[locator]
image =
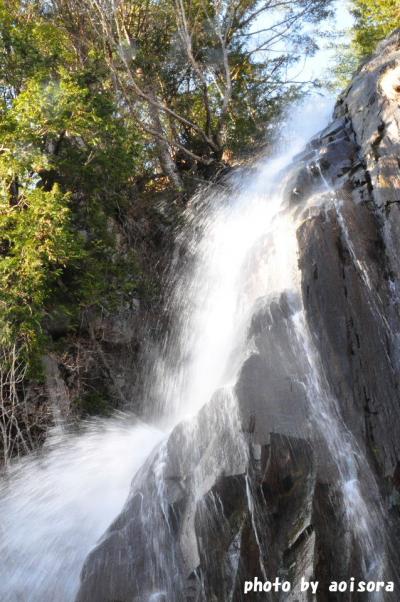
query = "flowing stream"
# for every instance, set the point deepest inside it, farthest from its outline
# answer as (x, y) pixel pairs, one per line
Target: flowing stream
(241, 245)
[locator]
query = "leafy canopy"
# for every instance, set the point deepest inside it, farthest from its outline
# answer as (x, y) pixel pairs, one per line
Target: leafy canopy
(58, 129)
(374, 21)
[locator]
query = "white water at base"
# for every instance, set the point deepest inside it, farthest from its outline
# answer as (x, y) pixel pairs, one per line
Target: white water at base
(54, 507)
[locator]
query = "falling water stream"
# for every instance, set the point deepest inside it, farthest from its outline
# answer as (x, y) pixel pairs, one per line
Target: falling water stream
(242, 245)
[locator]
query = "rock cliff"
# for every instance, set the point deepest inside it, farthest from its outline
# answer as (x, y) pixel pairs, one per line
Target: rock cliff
(223, 501)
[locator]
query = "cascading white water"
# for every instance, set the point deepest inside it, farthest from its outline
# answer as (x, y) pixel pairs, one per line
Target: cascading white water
(243, 246)
(54, 507)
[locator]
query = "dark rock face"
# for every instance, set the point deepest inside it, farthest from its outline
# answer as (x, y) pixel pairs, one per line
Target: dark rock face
(352, 304)
(223, 501)
(270, 394)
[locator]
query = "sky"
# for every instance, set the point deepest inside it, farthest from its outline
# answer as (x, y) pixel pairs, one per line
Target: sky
(316, 67)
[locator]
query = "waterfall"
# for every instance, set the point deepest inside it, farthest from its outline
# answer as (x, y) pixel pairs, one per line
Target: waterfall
(240, 243)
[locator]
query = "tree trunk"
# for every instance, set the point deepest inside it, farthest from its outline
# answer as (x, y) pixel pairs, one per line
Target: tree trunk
(167, 164)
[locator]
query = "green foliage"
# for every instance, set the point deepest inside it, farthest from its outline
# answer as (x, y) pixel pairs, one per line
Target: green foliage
(37, 244)
(201, 76)
(59, 128)
(374, 21)
(28, 43)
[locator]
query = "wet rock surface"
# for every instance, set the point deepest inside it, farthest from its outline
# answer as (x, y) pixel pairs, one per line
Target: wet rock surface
(349, 260)
(269, 390)
(253, 496)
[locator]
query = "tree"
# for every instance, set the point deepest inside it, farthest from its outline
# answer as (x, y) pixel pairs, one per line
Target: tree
(191, 71)
(374, 21)
(58, 188)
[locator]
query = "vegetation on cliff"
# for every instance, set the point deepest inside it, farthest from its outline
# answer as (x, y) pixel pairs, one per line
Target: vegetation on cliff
(373, 21)
(104, 107)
